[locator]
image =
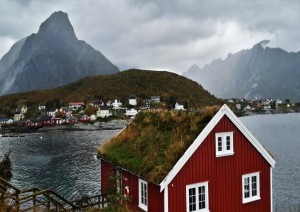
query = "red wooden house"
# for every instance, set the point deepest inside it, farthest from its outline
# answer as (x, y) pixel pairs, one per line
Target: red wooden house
(224, 169)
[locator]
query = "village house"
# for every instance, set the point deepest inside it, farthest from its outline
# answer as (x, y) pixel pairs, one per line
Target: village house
(18, 116)
(85, 119)
(103, 112)
(6, 121)
(130, 113)
(117, 104)
(46, 120)
(179, 107)
(21, 109)
(33, 122)
(132, 100)
(215, 165)
(155, 99)
(96, 103)
(76, 105)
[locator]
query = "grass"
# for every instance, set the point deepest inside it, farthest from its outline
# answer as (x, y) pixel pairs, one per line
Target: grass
(154, 141)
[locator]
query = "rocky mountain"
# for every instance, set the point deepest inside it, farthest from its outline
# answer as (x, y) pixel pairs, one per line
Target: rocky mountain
(259, 72)
(50, 58)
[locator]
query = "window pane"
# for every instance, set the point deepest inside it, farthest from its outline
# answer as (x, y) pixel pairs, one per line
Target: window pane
(192, 199)
(228, 143)
(246, 187)
(219, 143)
(201, 196)
(254, 186)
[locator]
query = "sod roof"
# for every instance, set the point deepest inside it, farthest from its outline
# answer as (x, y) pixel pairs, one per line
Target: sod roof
(155, 140)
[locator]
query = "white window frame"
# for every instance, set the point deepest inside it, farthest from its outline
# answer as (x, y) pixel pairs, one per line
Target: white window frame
(222, 138)
(247, 179)
(196, 186)
(143, 200)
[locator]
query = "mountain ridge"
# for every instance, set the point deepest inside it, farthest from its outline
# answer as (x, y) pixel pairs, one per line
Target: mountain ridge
(259, 72)
(50, 58)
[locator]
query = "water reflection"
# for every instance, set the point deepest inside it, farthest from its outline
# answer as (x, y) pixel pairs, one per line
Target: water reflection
(63, 161)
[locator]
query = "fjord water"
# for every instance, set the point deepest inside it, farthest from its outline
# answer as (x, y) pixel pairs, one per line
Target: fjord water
(280, 135)
(61, 160)
(65, 160)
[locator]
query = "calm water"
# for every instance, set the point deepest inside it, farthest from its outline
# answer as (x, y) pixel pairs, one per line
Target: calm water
(62, 160)
(280, 134)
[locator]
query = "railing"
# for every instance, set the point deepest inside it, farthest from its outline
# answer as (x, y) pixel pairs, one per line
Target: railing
(35, 199)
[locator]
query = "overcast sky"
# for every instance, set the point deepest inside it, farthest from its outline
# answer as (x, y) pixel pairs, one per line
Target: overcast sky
(161, 34)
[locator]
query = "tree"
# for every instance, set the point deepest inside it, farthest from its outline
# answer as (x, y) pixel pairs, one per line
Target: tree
(5, 167)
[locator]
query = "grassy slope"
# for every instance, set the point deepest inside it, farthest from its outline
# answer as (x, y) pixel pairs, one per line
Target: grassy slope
(154, 141)
(121, 85)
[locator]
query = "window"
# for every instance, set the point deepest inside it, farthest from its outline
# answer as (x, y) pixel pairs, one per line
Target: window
(197, 197)
(143, 195)
(250, 183)
(224, 144)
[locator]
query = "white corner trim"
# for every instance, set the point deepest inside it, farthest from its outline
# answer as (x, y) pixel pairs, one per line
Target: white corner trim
(271, 184)
(166, 200)
(225, 110)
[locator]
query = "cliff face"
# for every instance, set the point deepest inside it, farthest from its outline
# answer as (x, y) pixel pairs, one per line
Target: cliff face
(50, 58)
(259, 72)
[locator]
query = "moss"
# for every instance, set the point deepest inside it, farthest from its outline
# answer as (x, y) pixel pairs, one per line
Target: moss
(152, 144)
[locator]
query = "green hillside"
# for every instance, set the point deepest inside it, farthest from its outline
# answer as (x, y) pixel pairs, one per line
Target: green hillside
(143, 83)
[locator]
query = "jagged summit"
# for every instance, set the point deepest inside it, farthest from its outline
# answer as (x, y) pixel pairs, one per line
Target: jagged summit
(262, 44)
(50, 58)
(58, 26)
(259, 72)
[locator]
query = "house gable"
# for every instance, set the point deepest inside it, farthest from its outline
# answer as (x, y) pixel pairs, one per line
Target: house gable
(224, 111)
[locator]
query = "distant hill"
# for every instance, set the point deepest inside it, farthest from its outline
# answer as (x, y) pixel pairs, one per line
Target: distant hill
(259, 72)
(50, 58)
(143, 83)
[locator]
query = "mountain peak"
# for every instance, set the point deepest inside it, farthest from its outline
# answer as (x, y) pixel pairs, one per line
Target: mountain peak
(262, 44)
(58, 26)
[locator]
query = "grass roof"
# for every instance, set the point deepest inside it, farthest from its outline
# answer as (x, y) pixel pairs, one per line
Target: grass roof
(154, 141)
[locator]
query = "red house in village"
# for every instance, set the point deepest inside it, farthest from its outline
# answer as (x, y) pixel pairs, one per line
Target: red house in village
(225, 168)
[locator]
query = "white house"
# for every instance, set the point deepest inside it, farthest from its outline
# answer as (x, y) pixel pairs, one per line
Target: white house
(131, 112)
(103, 112)
(6, 121)
(132, 100)
(18, 116)
(117, 104)
(155, 99)
(76, 105)
(179, 107)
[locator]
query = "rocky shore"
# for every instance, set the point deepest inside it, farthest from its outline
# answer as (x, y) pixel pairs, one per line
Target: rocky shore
(110, 125)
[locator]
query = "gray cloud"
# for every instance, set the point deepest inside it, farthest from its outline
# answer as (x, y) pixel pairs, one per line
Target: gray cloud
(170, 34)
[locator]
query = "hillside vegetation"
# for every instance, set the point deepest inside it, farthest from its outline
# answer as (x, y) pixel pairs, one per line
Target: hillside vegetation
(108, 87)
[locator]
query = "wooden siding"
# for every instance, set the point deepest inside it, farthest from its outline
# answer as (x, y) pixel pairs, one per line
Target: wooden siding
(155, 198)
(224, 174)
(106, 170)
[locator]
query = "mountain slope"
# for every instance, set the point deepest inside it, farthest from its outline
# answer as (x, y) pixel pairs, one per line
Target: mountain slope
(260, 72)
(52, 57)
(143, 83)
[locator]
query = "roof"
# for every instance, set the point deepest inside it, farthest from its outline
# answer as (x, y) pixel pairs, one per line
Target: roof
(154, 141)
(156, 145)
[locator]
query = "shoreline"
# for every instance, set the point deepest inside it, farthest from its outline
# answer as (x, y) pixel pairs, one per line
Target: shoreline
(110, 125)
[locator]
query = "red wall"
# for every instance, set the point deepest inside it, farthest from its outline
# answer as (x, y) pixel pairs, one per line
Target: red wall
(155, 198)
(106, 171)
(224, 174)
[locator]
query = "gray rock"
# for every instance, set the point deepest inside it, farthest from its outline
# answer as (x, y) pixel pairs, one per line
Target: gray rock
(50, 58)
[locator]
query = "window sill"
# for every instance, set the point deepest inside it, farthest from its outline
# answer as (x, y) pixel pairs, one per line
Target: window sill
(224, 154)
(143, 207)
(251, 199)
